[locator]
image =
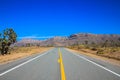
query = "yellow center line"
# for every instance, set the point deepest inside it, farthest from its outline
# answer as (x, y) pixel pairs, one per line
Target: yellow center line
(63, 77)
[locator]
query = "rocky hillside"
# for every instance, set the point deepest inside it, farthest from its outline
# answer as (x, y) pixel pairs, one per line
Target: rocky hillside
(80, 38)
(27, 42)
(56, 41)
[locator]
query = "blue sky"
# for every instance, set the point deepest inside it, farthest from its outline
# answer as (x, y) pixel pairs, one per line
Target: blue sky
(46, 18)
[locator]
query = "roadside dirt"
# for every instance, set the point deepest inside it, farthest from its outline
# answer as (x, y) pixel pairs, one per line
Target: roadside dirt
(91, 54)
(21, 52)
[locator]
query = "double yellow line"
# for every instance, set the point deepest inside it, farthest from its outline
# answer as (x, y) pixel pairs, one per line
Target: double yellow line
(63, 77)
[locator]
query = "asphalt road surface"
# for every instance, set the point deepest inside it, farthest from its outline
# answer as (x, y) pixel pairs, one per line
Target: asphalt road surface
(45, 66)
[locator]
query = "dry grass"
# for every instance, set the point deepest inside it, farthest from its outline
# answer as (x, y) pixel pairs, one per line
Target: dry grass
(92, 53)
(108, 52)
(113, 53)
(20, 52)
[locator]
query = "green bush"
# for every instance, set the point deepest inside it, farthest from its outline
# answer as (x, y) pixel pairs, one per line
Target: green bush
(7, 38)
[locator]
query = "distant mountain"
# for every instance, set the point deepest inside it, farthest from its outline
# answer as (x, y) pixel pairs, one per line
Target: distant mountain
(55, 41)
(27, 41)
(79, 38)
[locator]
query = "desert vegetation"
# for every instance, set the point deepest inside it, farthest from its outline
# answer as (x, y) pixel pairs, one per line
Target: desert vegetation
(108, 48)
(20, 52)
(9, 51)
(7, 37)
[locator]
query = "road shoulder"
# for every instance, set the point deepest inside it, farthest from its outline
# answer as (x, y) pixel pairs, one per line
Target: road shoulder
(108, 60)
(6, 66)
(22, 52)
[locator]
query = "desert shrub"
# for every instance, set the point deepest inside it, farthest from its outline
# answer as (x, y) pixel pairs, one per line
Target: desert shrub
(94, 48)
(113, 50)
(87, 47)
(100, 51)
(80, 46)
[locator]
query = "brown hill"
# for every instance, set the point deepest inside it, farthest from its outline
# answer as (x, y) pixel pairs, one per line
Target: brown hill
(80, 38)
(25, 42)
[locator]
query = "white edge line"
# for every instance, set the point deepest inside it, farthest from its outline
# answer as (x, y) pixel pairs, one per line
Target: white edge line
(3, 73)
(96, 64)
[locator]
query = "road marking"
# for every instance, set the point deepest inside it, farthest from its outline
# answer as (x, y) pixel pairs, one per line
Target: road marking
(1, 74)
(96, 64)
(63, 77)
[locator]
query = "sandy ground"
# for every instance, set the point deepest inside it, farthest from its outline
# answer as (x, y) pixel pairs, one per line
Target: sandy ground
(21, 52)
(109, 60)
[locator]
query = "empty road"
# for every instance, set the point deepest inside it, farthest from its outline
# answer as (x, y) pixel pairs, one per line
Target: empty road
(46, 66)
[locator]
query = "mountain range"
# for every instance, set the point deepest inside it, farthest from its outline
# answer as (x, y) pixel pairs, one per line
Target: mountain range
(79, 38)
